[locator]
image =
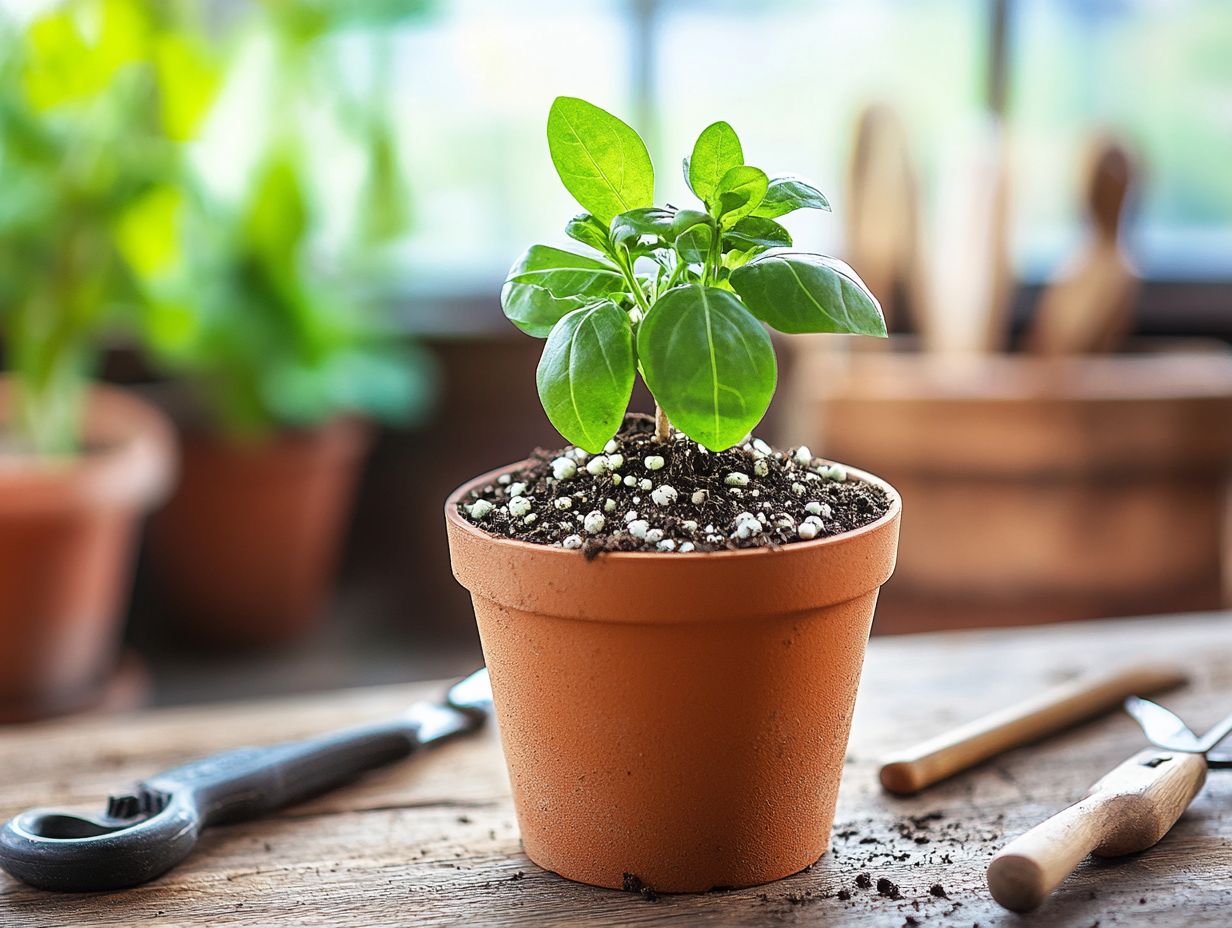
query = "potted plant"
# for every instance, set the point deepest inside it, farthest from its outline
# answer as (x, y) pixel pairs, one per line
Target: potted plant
(278, 359)
(87, 124)
(674, 614)
(276, 368)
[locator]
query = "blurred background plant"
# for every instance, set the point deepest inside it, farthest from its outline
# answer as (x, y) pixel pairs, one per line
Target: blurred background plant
(95, 101)
(142, 191)
(260, 285)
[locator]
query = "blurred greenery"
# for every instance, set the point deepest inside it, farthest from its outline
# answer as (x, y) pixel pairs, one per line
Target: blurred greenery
(85, 132)
(109, 217)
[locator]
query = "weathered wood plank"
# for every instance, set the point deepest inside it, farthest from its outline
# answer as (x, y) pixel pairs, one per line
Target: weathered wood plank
(434, 842)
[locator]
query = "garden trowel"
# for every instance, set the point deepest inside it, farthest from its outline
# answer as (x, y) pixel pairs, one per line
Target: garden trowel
(1127, 811)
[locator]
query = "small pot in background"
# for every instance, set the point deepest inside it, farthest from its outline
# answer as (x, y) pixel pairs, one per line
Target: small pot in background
(244, 552)
(678, 718)
(68, 528)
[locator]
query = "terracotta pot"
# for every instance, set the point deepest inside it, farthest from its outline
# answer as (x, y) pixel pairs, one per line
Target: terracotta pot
(1105, 479)
(67, 533)
(244, 552)
(679, 717)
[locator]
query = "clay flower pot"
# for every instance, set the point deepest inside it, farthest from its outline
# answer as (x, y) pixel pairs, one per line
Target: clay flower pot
(678, 718)
(68, 528)
(244, 551)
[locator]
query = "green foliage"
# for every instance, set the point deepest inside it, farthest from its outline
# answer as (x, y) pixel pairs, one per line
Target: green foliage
(808, 293)
(547, 283)
(94, 96)
(786, 195)
(708, 362)
(716, 151)
(106, 222)
(677, 294)
(600, 160)
(586, 374)
(234, 305)
(273, 329)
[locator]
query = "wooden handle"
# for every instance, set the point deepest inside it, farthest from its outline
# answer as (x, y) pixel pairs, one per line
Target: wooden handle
(1051, 711)
(1127, 811)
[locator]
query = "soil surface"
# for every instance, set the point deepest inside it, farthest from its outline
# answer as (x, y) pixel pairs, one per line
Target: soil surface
(640, 494)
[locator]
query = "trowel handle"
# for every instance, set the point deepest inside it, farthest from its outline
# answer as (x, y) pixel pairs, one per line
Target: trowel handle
(1129, 810)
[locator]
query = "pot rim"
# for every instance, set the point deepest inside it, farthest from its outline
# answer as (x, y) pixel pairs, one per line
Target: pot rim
(455, 518)
(129, 460)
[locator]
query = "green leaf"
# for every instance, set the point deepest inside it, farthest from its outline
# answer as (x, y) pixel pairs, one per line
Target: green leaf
(600, 159)
(585, 376)
(716, 151)
(694, 244)
(188, 77)
(788, 194)
(756, 232)
(546, 283)
(738, 193)
(709, 364)
(588, 230)
(277, 217)
(70, 60)
(646, 220)
(808, 293)
(147, 233)
(686, 219)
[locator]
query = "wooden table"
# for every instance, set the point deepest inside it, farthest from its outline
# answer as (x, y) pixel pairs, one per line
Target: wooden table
(434, 841)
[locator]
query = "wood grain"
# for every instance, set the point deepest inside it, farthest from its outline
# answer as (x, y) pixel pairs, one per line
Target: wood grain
(1077, 467)
(434, 841)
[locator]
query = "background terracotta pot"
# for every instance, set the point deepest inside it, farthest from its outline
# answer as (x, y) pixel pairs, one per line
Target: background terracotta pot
(67, 533)
(1098, 484)
(244, 552)
(679, 717)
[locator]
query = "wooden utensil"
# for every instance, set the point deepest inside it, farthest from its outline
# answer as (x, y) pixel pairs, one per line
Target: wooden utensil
(882, 221)
(1052, 711)
(1129, 810)
(970, 279)
(1089, 307)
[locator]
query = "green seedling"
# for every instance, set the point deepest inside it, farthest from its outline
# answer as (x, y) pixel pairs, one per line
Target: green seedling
(680, 296)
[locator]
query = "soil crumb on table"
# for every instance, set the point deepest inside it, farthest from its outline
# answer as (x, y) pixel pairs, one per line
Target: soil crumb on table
(640, 494)
(633, 884)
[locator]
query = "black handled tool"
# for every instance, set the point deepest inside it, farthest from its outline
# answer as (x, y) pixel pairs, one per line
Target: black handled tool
(146, 832)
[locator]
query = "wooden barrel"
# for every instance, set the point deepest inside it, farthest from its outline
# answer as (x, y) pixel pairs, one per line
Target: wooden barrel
(1036, 490)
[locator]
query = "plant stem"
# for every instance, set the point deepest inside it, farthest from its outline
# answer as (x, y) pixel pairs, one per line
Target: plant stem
(663, 428)
(714, 256)
(675, 275)
(626, 270)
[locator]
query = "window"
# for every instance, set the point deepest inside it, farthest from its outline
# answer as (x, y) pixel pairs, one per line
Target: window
(1157, 72)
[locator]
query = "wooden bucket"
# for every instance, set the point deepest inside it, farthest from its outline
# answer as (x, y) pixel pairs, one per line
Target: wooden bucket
(1036, 490)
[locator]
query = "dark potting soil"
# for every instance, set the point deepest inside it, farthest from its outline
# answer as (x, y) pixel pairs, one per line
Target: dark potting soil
(640, 494)
(633, 884)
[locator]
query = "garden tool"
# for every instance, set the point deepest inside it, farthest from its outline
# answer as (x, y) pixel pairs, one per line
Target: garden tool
(921, 765)
(1127, 811)
(145, 832)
